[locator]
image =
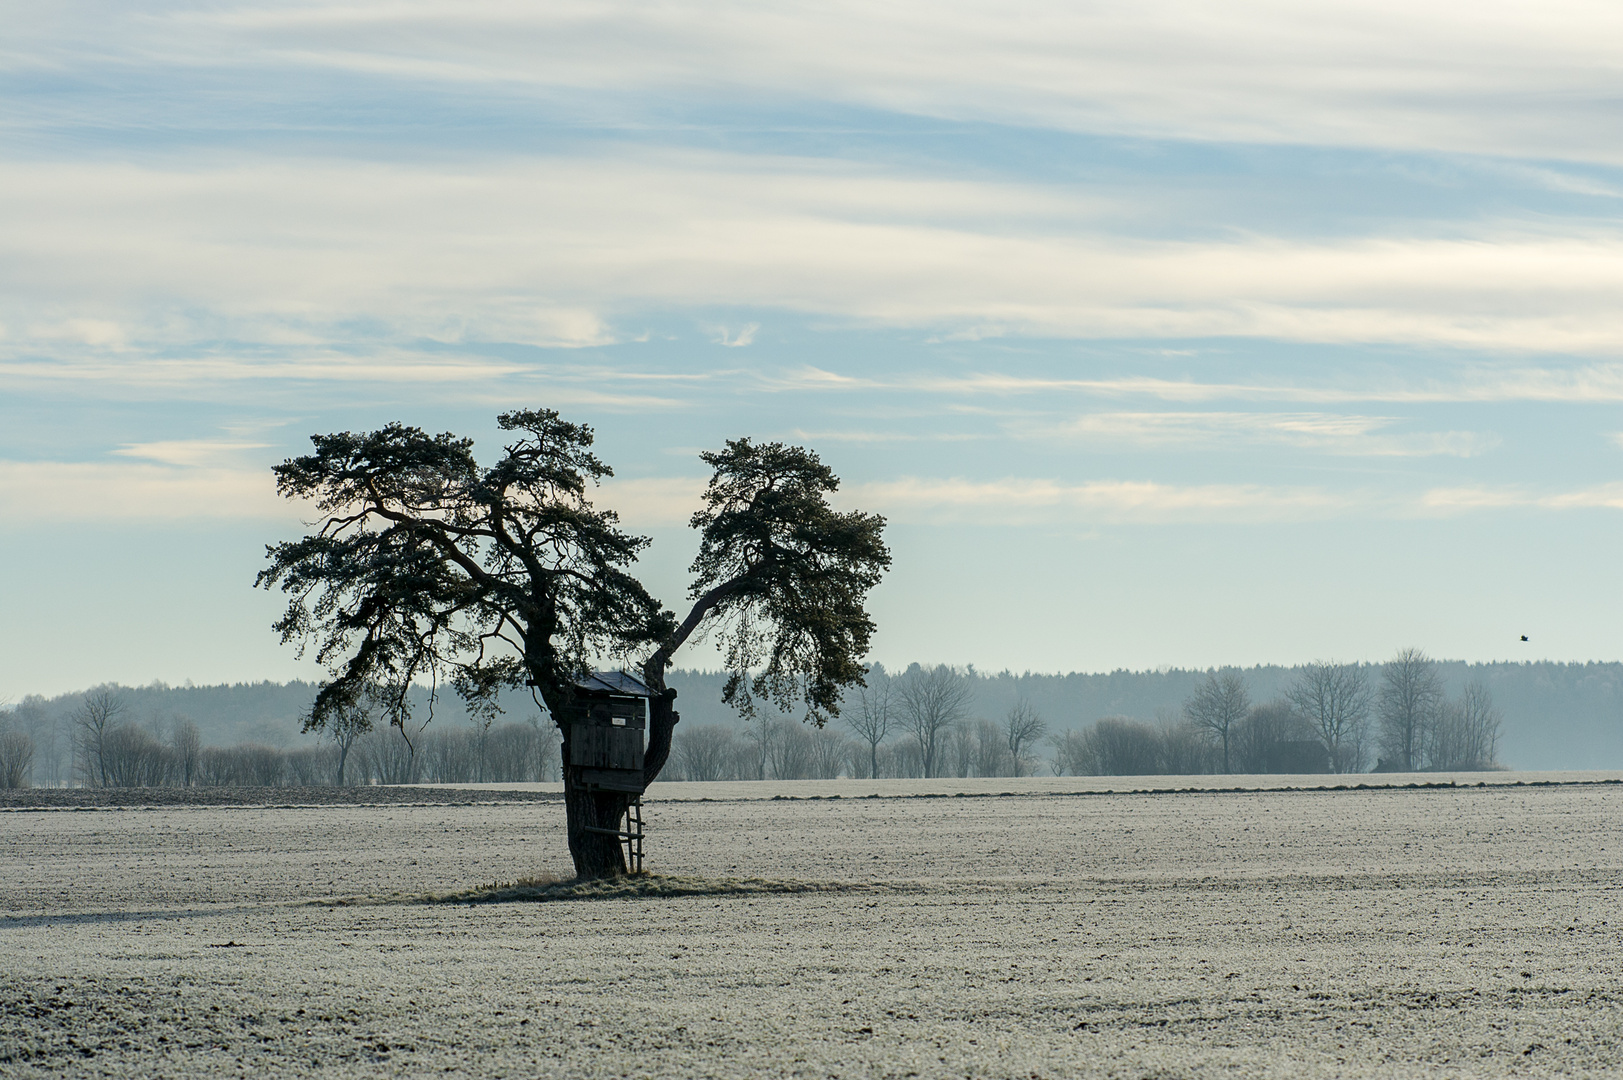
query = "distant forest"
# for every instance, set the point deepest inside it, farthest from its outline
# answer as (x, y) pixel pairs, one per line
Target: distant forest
(1554, 716)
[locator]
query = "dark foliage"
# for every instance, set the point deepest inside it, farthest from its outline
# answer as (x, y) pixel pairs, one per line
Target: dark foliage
(428, 567)
(781, 579)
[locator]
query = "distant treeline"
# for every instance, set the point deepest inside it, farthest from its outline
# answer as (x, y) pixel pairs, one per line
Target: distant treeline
(100, 743)
(1554, 716)
(922, 723)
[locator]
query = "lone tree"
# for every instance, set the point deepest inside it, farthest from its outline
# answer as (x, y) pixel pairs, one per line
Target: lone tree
(95, 720)
(1410, 697)
(933, 701)
(1023, 726)
(1217, 706)
(871, 717)
(345, 725)
(1336, 699)
(427, 567)
(186, 747)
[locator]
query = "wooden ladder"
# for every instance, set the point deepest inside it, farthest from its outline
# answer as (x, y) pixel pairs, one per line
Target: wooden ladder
(630, 836)
(633, 835)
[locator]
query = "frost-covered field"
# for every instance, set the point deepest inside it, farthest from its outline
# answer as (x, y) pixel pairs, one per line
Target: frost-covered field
(1458, 931)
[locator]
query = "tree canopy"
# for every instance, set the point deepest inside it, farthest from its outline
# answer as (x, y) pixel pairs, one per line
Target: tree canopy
(782, 578)
(429, 567)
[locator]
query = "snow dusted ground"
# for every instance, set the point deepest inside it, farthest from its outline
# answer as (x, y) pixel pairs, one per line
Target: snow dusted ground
(1469, 931)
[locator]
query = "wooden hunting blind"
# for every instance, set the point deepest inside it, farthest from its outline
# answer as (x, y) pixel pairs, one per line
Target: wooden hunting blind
(605, 727)
(608, 722)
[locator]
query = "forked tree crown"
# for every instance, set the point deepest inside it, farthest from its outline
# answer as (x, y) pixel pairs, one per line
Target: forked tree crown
(427, 566)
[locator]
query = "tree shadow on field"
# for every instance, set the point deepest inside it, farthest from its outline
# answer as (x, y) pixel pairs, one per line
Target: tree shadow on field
(624, 887)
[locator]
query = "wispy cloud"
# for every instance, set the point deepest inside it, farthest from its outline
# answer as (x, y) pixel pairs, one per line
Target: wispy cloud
(1459, 500)
(1534, 80)
(666, 501)
(1018, 501)
(116, 262)
(1022, 500)
(182, 480)
(293, 364)
(745, 335)
(1330, 433)
(1584, 383)
(652, 502)
(467, 379)
(177, 482)
(1560, 180)
(880, 434)
(34, 492)
(188, 452)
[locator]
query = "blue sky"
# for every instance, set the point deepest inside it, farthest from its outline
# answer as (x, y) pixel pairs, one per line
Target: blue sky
(1162, 333)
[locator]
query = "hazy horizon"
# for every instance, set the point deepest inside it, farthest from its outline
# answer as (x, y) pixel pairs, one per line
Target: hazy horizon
(1555, 716)
(13, 695)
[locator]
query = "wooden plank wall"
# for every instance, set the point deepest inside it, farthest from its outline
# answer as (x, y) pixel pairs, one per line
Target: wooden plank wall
(600, 746)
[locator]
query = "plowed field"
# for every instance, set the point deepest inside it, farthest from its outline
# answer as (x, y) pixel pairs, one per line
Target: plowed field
(1401, 932)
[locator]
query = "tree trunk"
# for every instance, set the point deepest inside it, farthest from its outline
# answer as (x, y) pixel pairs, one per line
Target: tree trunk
(662, 721)
(595, 854)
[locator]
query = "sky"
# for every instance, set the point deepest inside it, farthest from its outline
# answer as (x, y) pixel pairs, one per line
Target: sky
(1162, 334)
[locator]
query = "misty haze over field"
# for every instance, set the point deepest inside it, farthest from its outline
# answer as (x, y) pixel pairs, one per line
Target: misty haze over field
(1555, 716)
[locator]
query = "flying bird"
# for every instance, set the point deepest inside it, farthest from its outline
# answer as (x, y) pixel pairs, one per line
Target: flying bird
(1524, 637)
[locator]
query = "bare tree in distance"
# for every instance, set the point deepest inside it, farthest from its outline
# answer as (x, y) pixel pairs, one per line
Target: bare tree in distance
(93, 722)
(830, 751)
(16, 759)
(933, 701)
(901, 760)
(16, 751)
(548, 749)
(790, 750)
(704, 752)
(46, 729)
(1023, 727)
(1275, 738)
(132, 757)
(1411, 694)
(1071, 753)
(759, 736)
(185, 743)
(1464, 735)
(957, 754)
(348, 723)
(1219, 704)
(871, 716)
(1185, 749)
(1335, 699)
(991, 754)
(1482, 725)
(1118, 746)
